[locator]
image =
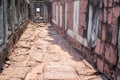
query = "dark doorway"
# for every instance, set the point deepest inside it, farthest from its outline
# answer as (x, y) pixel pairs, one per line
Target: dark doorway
(42, 11)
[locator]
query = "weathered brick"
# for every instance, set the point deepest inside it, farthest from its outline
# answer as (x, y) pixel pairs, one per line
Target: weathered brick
(97, 49)
(107, 53)
(105, 3)
(70, 15)
(107, 70)
(83, 6)
(114, 20)
(116, 11)
(82, 19)
(110, 2)
(108, 33)
(111, 54)
(100, 47)
(118, 65)
(104, 32)
(116, 1)
(101, 15)
(118, 77)
(80, 30)
(105, 15)
(114, 35)
(110, 14)
(100, 64)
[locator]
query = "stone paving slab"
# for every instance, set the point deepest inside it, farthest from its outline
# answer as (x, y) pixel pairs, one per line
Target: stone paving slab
(16, 72)
(36, 73)
(37, 55)
(57, 71)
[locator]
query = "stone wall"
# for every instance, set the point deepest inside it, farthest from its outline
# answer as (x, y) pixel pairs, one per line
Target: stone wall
(14, 19)
(91, 26)
(44, 10)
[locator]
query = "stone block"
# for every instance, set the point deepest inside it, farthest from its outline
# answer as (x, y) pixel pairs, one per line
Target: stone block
(110, 14)
(116, 11)
(57, 71)
(16, 72)
(101, 15)
(100, 47)
(100, 64)
(115, 20)
(82, 19)
(111, 54)
(110, 3)
(107, 70)
(105, 15)
(114, 35)
(104, 32)
(97, 49)
(83, 6)
(105, 3)
(118, 77)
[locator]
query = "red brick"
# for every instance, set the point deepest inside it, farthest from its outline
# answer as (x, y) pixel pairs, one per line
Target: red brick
(115, 20)
(116, 1)
(103, 32)
(110, 16)
(110, 2)
(105, 2)
(70, 15)
(118, 77)
(107, 52)
(82, 19)
(111, 54)
(114, 35)
(80, 30)
(100, 47)
(83, 6)
(97, 49)
(116, 11)
(118, 65)
(100, 15)
(100, 64)
(107, 71)
(105, 15)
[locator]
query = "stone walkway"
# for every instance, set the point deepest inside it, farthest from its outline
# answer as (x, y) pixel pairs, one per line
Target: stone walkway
(42, 54)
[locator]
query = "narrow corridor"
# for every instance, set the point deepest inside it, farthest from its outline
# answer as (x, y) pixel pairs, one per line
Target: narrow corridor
(43, 54)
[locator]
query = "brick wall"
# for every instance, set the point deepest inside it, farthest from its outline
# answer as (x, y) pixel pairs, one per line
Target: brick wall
(97, 36)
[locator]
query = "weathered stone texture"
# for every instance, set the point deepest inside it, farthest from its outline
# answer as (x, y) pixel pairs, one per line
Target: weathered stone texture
(106, 49)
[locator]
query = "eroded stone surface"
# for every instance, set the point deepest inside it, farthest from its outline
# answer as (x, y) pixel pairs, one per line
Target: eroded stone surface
(42, 54)
(16, 72)
(57, 71)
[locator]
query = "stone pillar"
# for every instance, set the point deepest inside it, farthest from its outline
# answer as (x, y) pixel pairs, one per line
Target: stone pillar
(5, 22)
(1, 22)
(13, 14)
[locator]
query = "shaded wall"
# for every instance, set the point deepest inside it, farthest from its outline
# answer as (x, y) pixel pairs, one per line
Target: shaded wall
(91, 26)
(13, 19)
(44, 13)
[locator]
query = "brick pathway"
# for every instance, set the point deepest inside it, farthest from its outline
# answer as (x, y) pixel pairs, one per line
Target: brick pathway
(42, 54)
